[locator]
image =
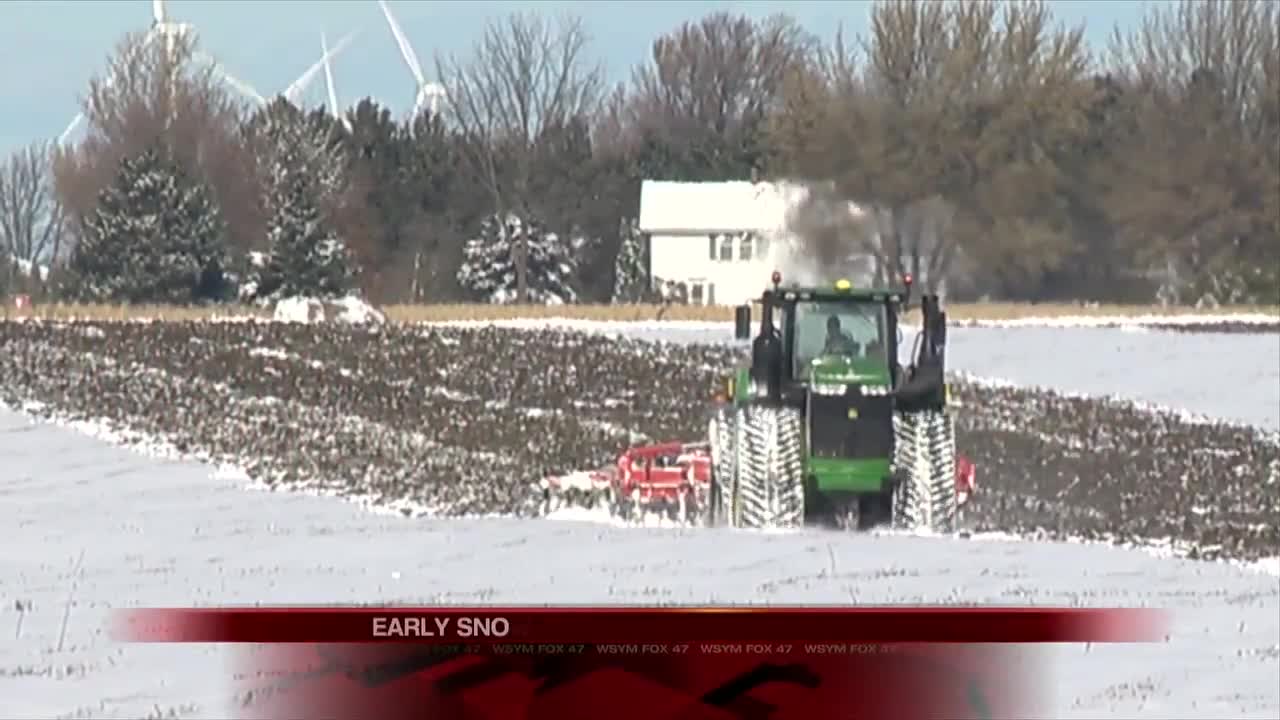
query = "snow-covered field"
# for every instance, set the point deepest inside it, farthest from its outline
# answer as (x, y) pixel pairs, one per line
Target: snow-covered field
(1233, 377)
(93, 527)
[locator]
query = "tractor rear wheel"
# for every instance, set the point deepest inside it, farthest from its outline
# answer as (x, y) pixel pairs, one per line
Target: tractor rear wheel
(770, 468)
(924, 497)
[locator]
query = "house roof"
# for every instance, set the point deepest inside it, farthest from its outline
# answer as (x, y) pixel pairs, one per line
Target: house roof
(676, 208)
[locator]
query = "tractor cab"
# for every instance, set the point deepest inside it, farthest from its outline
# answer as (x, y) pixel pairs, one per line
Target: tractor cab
(823, 339)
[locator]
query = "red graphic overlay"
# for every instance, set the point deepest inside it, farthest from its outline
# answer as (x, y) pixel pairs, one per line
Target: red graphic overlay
(581, 682)
(691, 626)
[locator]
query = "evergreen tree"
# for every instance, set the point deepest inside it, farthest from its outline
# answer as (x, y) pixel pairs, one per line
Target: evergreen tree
(155, 237)
(305, 257)
(303, 170)
(488, 268)
(630, 274)
(312, 142)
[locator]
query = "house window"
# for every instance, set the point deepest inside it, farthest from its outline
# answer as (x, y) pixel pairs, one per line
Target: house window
(726, 248)
(744, 247)
(711, 246)
(711, 293)
(761, 248)
(695, 293)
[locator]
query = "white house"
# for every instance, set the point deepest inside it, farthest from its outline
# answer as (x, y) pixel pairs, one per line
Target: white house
(722, 240)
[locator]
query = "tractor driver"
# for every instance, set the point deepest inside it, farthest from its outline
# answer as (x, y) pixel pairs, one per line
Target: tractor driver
(838, 343)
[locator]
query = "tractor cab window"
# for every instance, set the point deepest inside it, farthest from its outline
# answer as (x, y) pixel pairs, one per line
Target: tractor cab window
(855, 330)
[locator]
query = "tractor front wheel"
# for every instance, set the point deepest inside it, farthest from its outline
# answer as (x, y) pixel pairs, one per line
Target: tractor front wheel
(757, 467)
(724, 437)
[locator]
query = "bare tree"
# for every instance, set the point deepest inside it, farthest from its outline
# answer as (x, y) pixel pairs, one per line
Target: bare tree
(916, 124)
(1267, 112)
(720, 72)
(803, 127)
(1206, 153)
(525, 76)
(879, 119)
(1008, 176)
(153, 92)
(1233, 37)
(31, 215)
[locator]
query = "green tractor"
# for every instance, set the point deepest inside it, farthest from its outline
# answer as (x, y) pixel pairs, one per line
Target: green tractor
(825, 427)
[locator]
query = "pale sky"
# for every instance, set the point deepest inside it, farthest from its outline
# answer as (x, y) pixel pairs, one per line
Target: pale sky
(49, 49)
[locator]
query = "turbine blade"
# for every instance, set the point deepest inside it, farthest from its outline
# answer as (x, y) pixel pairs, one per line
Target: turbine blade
(328, 76)
(406, 50)
(243, 87)
(234, 82)
(75, 122)
(300, 85)
(438, 93)
(418, 102)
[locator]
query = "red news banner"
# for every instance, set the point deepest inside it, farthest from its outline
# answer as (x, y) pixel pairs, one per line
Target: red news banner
(626, 625)
(686, 663)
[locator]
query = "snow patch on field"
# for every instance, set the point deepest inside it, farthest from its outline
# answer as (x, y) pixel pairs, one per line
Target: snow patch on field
(606, 326)
(127, 531)
(348, 309)
(1127, 322)
(1180, 414)
(1122, 321)
(379, 504)
(1167, 549)
(1234, 378)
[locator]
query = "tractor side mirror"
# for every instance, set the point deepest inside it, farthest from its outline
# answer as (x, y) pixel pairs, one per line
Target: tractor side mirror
(742, 322)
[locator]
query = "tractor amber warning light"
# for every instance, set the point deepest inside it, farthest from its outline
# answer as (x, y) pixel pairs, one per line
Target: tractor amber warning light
(843, 285)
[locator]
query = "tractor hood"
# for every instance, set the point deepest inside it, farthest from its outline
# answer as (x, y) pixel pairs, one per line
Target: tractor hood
(843, 370)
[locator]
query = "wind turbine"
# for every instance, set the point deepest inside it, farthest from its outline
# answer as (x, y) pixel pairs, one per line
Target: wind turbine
(295, 90)
(162, 26)
(334, 109)
(429, 93)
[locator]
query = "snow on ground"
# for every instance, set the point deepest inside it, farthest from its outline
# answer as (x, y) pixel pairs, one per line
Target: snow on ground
(1164, 548)
(1232, 377)
(29, 268)
(91, 527)
(1130, 322)
(1127, 321)
(348, 309)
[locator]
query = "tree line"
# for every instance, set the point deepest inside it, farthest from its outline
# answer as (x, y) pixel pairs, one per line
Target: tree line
(991, 147)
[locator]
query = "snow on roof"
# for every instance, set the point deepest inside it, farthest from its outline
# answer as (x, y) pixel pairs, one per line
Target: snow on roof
(669, 207)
